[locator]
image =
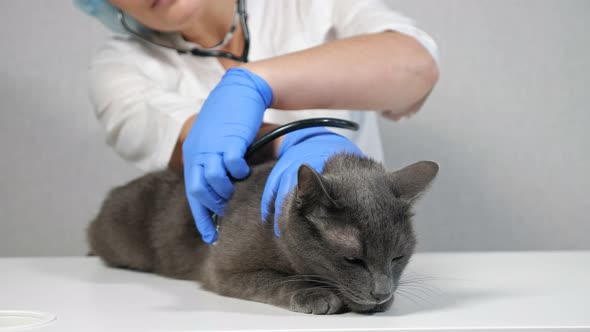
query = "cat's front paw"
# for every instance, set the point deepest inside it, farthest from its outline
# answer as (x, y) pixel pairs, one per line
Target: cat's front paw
(317, 302)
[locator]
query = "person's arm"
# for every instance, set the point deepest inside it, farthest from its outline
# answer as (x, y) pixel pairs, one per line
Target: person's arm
(386, 71)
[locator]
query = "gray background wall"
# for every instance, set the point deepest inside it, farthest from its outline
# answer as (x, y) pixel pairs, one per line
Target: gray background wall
(507, 123)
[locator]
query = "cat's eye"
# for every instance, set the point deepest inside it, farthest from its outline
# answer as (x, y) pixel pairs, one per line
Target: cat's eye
(355, 261)
(397, 258)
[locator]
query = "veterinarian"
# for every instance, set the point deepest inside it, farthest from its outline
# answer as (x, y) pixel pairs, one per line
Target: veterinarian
(189, 84)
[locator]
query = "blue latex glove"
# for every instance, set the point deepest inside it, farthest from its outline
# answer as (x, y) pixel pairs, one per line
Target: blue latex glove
(312, 146)
(215, 146)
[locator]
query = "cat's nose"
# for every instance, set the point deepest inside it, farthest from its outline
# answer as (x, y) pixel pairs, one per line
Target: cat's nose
(383, 288)
(382, 297)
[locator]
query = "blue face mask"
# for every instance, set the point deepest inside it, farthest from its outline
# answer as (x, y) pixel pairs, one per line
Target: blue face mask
(102, 10)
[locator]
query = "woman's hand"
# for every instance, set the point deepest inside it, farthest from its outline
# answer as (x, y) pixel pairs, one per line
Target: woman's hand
(215, 146)
(312, 146)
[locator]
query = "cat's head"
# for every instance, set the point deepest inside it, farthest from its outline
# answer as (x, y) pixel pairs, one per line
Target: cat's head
(352, 226)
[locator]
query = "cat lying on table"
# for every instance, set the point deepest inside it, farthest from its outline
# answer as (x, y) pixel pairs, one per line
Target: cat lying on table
(346, 235)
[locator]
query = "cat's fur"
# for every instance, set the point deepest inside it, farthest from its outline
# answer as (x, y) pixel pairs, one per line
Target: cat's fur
(346, 235)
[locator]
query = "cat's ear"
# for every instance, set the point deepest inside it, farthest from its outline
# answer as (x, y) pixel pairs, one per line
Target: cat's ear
(410, 182)
(311, 186)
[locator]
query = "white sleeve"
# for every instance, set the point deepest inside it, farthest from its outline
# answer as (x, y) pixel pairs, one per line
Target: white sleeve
(142, 116)
(353, 17)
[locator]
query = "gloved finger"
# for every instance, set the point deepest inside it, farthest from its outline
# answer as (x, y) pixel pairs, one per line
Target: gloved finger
(271, 187)
(204, 223)
(216, 176)
(200, 213)
(233, 159)
(288, 182)
(200, 190)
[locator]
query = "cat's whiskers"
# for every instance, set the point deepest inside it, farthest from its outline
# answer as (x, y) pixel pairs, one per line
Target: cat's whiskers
(419, 282)
(302, 278)
(316, 288)
(406, 278)
(411, 276)
(351, 294)
(406, 296)
(348, 296)
(432, 290)
(408, 293)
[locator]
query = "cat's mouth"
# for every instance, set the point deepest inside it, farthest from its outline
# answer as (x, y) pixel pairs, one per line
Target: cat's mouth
(385, 300)
(362, 300)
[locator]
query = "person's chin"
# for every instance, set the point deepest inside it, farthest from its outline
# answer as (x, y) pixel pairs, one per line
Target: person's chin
(177, 16)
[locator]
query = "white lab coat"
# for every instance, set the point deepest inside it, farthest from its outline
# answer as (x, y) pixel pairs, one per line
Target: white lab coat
(142, 94)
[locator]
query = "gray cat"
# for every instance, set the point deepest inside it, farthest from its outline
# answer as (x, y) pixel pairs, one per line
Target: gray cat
(346, 235)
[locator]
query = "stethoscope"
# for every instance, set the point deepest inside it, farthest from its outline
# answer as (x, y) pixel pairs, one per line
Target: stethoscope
(176, 42)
